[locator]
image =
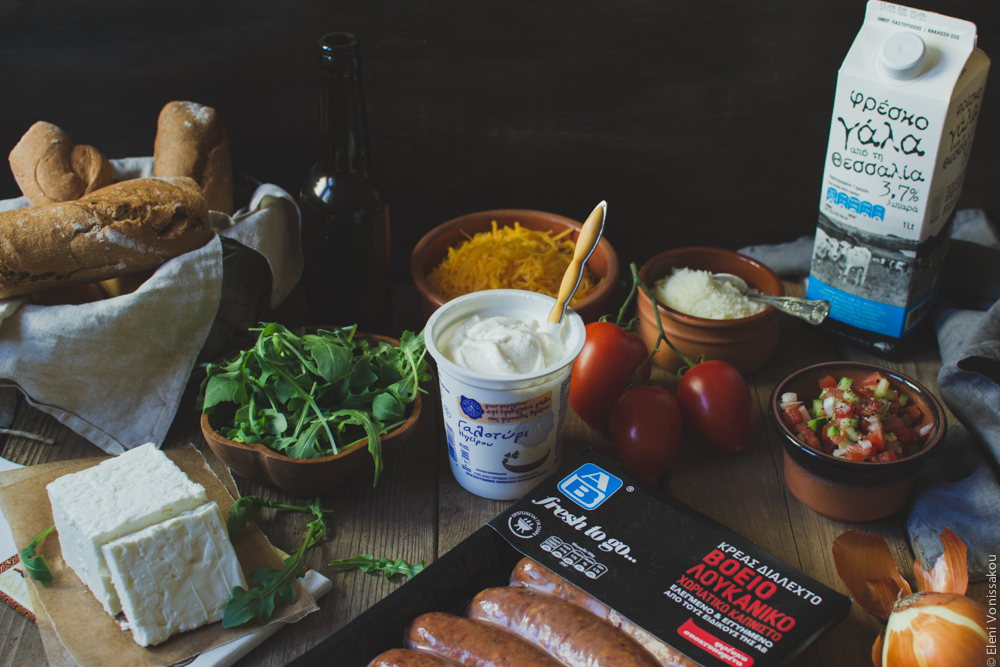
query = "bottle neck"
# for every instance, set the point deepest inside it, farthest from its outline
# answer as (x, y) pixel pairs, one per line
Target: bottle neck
(343, 119)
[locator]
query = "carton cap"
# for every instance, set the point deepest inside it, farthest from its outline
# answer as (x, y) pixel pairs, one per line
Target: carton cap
(903, 56)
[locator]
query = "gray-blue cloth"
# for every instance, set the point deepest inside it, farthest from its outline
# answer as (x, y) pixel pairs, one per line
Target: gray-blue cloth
(788, 260)
(960, 489)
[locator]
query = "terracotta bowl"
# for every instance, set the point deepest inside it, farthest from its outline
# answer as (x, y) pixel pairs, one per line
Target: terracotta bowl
(305, 477)
(853, 491)
(433, 248)
(746, 343)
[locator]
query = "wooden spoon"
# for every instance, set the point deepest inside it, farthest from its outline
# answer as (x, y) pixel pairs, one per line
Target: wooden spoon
(590, 234)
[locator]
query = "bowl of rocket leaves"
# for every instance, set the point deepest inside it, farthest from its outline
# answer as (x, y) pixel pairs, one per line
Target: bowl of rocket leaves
(309, 409)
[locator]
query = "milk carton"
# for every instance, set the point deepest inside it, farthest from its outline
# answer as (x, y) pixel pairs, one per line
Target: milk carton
(905, 111)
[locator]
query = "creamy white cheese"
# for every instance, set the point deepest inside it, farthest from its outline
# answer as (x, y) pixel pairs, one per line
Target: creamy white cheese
(695, 292)
(115, 498)
(505, 345)
(176, 575)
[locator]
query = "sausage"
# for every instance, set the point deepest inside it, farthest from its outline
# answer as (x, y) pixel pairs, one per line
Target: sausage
(471, 643)
(573, 635)
(532, 575)
(404, 657)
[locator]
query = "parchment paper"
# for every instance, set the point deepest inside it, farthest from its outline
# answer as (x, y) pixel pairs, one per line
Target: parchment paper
(75, 628)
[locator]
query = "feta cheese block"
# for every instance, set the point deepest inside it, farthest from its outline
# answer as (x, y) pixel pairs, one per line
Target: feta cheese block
(176, 575)
(117, 497)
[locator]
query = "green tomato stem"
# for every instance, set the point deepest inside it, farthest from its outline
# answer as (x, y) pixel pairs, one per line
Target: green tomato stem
(624, 308)
(661, 335)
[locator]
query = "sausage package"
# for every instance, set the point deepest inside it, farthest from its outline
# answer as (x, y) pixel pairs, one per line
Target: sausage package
(711, 596)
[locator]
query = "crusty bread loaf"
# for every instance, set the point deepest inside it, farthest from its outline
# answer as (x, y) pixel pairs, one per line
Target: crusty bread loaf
(192, 141)
(121, 229)
(49, 168)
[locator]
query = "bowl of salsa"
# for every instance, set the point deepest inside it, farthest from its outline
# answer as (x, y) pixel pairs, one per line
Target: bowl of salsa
(855, 435)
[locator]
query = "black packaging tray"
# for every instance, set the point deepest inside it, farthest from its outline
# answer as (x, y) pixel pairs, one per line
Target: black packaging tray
(694, 583)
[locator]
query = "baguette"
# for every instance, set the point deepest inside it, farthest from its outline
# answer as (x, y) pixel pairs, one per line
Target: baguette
(122, 229)
(192, 141)
(50, 169)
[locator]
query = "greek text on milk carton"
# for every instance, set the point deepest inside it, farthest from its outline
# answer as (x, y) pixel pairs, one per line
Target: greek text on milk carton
(907, 101)
(504, 377)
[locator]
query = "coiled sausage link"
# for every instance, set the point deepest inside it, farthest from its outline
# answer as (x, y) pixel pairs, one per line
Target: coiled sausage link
(573, 635)
(404, 657)
(471, 643)
(532, 575)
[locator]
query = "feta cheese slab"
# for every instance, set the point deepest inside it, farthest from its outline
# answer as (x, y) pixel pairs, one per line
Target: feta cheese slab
(117, 497)
(176, 575)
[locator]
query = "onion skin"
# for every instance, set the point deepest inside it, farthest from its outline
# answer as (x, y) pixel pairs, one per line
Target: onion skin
(935, 630)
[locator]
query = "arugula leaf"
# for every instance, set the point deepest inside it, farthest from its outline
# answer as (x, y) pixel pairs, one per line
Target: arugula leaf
(246, 508)
(258, 603)
(312, 395)
(388, 408)
(34, 562)
(386, 566)
(221, 389)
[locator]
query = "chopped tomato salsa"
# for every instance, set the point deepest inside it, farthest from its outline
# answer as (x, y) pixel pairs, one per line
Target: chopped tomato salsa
(857, 421)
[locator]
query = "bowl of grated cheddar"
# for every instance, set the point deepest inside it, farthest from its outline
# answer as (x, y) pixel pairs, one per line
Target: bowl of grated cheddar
(510, 249)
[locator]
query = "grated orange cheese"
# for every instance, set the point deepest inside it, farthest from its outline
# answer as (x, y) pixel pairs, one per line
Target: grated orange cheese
(509, 258)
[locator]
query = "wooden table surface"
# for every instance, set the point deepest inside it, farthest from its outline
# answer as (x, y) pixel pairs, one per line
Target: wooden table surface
(419, 512)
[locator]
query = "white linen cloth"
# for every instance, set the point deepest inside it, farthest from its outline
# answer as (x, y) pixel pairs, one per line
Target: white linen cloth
(114, 370)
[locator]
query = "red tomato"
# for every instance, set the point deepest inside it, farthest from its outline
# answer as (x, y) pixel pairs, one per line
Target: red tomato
(810, 439)
(855, 452)
(871, 380)
(646, 430)
(791, 415)
(716, 404)
(842, 410)
(876, 437)
(896, 426)
(602, 371)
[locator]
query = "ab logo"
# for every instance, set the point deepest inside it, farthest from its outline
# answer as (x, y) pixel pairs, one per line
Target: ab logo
(589, 486)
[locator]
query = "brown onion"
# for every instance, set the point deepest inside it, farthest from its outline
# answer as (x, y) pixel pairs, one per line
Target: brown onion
(934, 630)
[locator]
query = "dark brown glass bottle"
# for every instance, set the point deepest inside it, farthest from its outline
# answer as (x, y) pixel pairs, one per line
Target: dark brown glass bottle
(344, 202)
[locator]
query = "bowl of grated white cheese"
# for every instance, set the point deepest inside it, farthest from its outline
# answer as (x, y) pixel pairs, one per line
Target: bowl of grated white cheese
(695, 292)
(702, 316)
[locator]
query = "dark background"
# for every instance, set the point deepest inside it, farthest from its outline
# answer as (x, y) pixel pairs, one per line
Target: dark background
(699, 122)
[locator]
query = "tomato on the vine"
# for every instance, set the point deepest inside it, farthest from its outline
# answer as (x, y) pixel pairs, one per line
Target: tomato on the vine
(716, 404)
(646, 430)
(609, 359)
